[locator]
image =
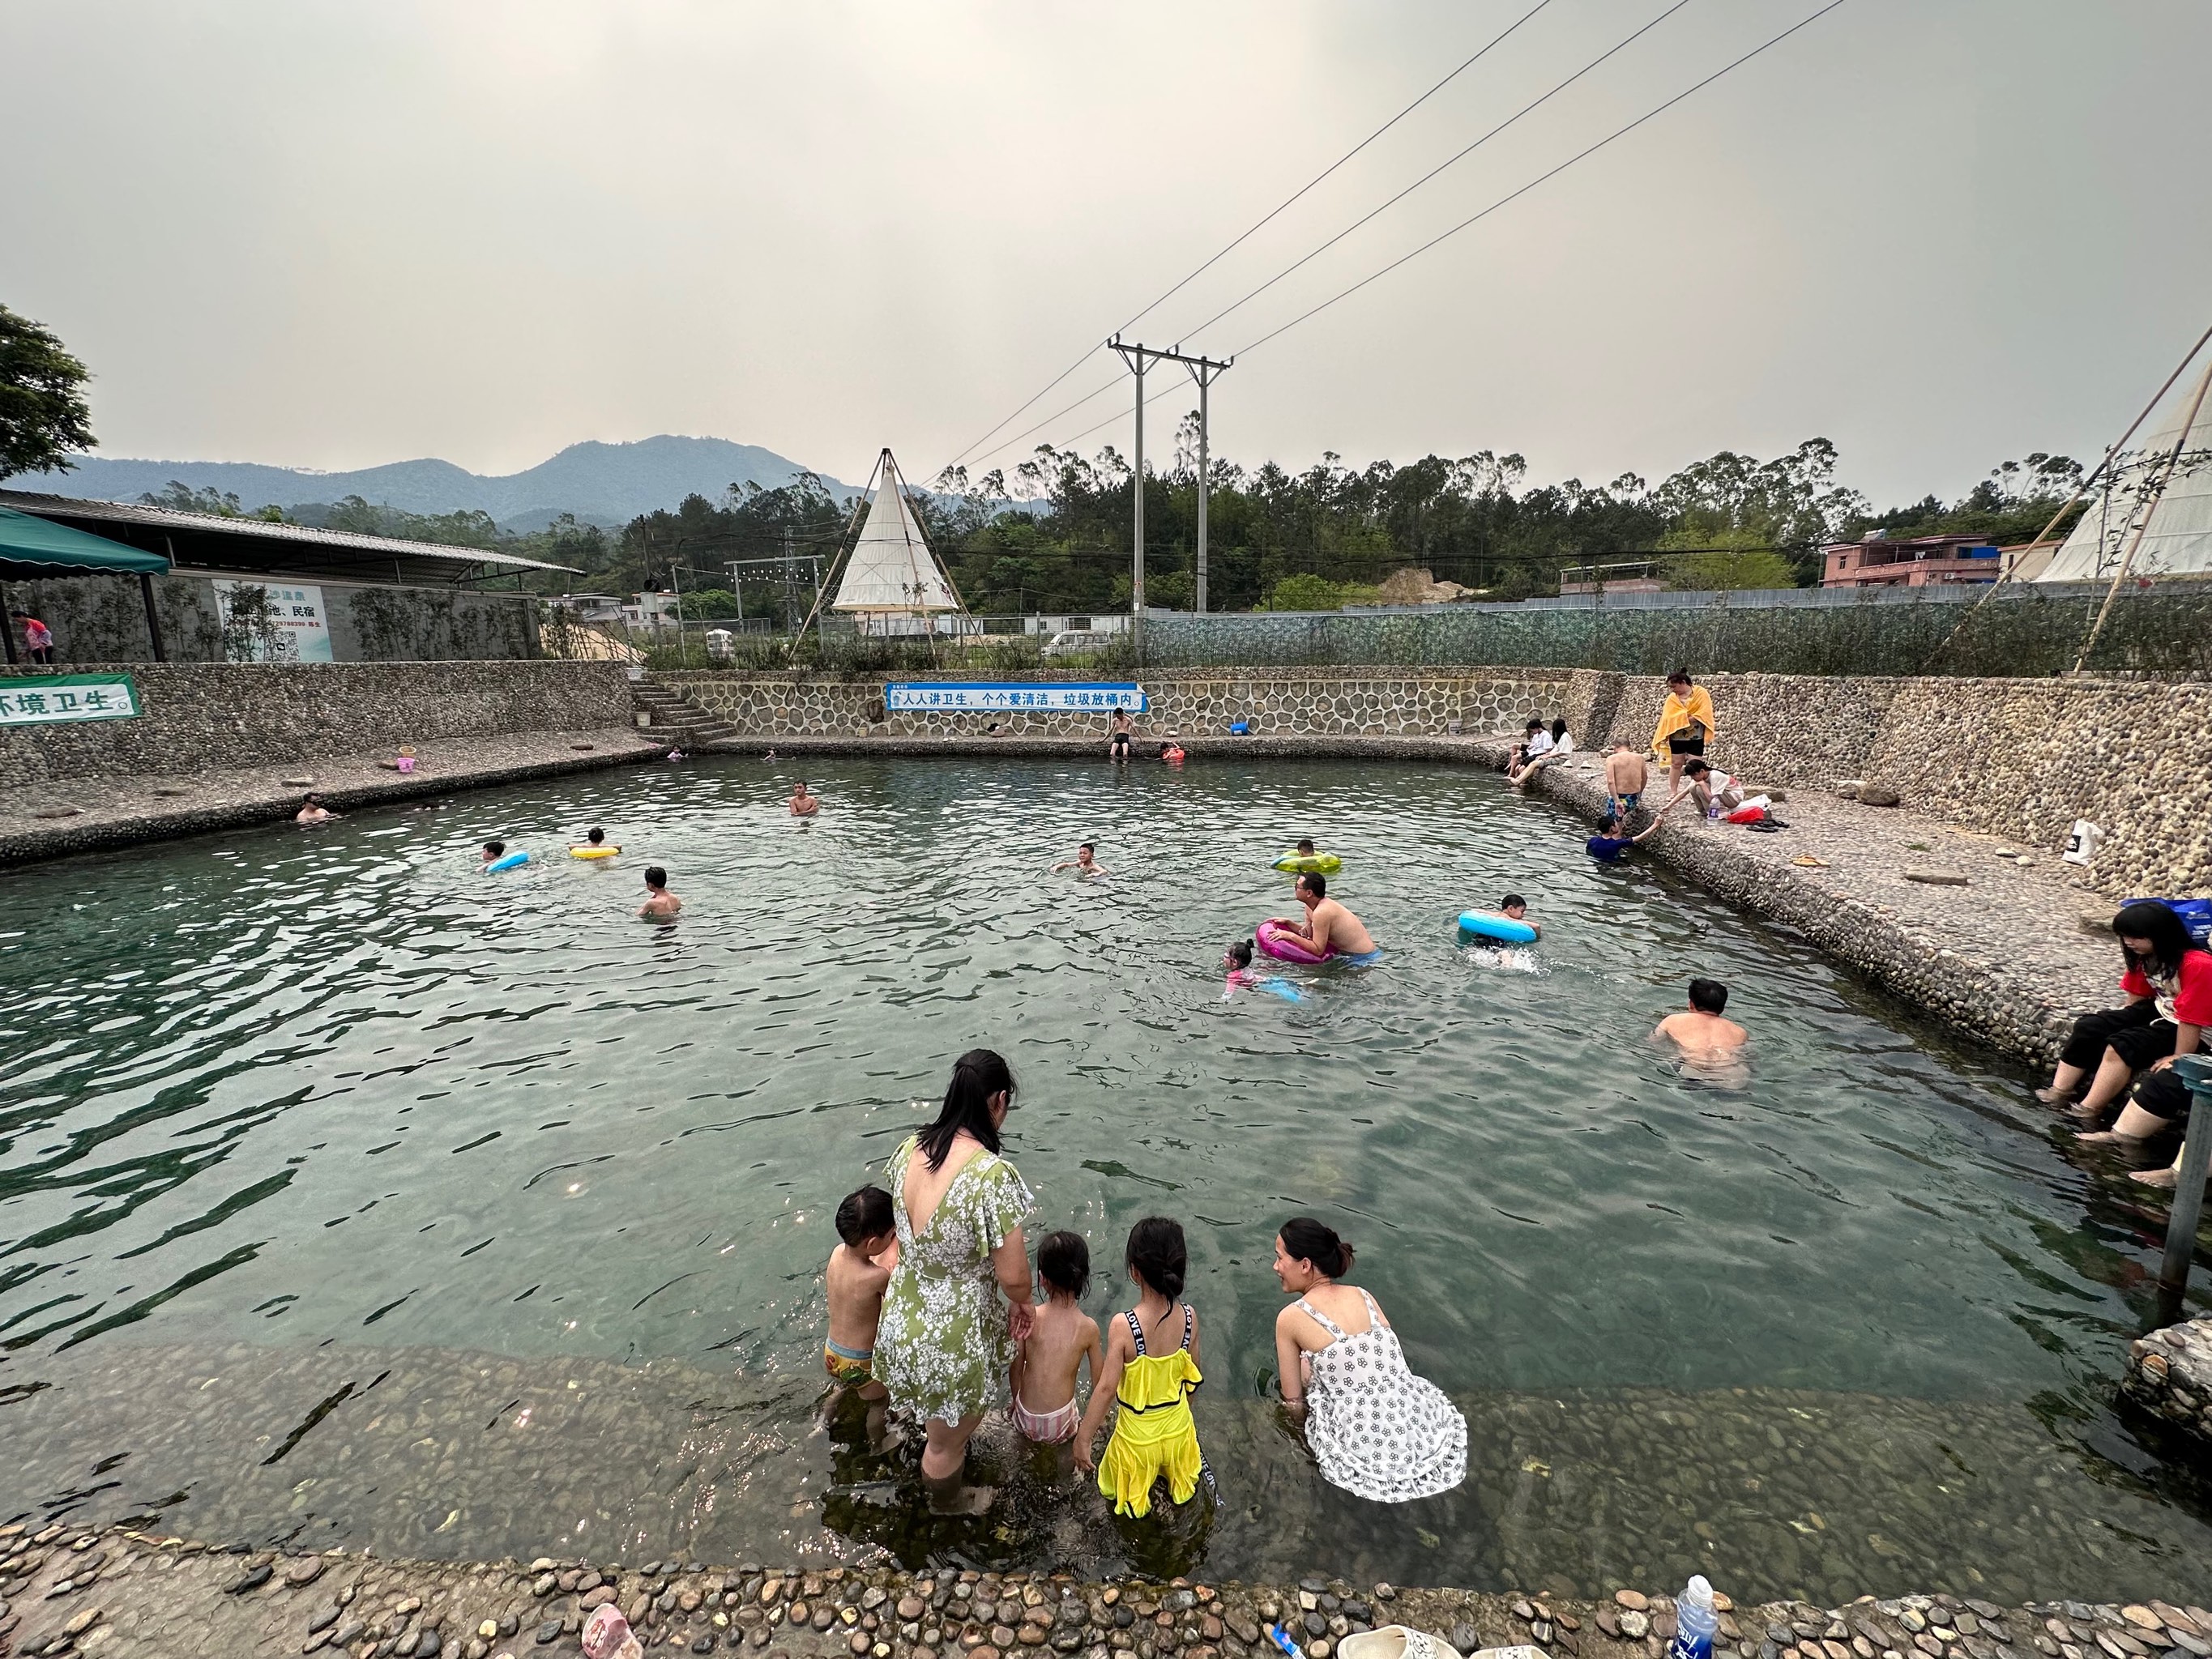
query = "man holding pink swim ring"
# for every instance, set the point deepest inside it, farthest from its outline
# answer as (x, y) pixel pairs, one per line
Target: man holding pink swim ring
(1326, 925)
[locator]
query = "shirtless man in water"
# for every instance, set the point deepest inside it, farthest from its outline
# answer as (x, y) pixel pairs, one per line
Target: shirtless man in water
(1327, 925)
(1700, 1031)
(804, 806)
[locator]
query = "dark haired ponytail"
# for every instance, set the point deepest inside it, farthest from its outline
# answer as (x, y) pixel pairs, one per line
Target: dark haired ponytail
(1305, 1239)
(1157, 1255)
(976, 1076)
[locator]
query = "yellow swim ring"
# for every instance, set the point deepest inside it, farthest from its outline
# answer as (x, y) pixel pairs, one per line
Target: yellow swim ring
(1310, 864)
(593, 851)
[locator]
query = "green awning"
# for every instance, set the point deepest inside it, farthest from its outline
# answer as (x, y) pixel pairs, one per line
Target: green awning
(27, 540)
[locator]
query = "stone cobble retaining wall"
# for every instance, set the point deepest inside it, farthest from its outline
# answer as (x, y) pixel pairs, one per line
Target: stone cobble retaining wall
(68, 1591)
(207, 716)
(2020, 758)
(1384, 703)
(2169, 1375)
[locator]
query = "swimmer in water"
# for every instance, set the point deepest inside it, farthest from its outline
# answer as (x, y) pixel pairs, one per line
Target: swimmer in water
(660, 904)
(494, 851)
(1514, 908)
(595, 840)
(1171, 752)
(1699, 1032)
(804, 806)
(1084, 863)
(312, 811)
(1237, 959)
(1327, 926)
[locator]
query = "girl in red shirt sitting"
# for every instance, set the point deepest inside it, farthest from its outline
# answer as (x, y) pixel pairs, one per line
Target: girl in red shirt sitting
(2169, 983)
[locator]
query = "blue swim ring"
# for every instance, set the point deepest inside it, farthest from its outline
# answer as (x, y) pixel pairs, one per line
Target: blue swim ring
(507, 863)
(1489, 925)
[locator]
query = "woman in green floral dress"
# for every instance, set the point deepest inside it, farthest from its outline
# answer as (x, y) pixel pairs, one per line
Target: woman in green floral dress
(946, 1339)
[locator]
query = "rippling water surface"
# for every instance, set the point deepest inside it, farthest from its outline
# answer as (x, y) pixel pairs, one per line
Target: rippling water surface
(349, 1194)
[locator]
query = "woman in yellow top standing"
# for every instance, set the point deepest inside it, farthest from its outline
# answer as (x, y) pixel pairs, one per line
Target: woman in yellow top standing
(1686, 726)
(1152, 1366)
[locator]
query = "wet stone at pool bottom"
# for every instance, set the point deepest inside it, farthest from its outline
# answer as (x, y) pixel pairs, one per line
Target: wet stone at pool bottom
(431, 1455)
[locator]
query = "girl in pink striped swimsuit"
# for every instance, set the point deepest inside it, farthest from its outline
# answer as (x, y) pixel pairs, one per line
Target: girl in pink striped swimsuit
(1063, 1339)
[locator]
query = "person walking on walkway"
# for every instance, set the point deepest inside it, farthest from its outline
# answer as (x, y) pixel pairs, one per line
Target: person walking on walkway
(1686, 726)
(959, 1298)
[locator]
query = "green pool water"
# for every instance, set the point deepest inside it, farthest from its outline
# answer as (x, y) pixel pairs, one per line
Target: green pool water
(348, 1195)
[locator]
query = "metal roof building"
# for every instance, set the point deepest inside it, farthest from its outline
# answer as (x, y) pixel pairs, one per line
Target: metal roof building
(202, 541)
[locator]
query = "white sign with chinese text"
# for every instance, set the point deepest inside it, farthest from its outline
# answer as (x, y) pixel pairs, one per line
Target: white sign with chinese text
(287, 625)
(987, 696)
(52, 698)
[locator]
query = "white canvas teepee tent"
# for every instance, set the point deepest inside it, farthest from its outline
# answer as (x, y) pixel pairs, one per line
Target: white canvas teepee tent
(891, 568)
(2152, 514)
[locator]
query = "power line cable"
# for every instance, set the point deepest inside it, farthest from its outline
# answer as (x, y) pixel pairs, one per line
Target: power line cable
(1259, 224)
(1619, 132)
(1525, 109)
(1580, 155)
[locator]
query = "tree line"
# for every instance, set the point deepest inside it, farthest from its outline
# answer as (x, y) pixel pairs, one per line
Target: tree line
(1055, 535)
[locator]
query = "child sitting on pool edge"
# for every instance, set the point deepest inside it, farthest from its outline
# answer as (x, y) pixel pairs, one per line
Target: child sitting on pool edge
(1063, 1340)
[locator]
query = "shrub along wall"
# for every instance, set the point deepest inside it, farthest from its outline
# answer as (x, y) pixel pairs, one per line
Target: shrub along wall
(204, 716)
(102, 619)
(2020, 631)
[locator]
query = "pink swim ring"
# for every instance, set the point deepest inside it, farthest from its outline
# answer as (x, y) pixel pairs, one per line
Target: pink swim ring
(1276, 941)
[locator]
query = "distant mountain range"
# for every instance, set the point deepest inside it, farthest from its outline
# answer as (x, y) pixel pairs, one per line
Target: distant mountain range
(607, 485)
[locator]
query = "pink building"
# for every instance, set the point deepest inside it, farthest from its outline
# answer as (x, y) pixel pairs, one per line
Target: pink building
(1917, 561)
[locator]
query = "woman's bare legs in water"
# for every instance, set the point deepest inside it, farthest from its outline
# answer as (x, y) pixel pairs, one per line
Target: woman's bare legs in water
(942, 1461)
(2114, 1076)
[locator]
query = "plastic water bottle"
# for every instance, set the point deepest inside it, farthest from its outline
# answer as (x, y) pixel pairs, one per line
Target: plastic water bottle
(1695, 1621)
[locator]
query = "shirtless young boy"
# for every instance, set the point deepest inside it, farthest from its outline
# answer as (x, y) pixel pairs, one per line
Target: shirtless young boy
(804, 806)
(1700, 1033)
(660, 904)
(1061, 1341)
(1626, 777)
(860, 1267)
(1085, 863)
(1327, 925)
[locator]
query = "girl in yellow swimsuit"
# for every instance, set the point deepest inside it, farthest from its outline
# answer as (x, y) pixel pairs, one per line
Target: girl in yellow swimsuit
(1154, 1436)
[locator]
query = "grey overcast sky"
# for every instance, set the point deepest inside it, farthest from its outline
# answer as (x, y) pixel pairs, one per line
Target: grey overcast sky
(320, 234)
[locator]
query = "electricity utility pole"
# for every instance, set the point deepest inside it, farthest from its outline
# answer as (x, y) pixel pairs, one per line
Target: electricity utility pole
(1203, 370)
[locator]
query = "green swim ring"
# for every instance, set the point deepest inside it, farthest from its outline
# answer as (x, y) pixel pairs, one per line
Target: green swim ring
(1310, 864)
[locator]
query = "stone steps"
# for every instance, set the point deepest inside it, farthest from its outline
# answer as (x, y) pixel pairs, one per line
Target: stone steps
(668, 710)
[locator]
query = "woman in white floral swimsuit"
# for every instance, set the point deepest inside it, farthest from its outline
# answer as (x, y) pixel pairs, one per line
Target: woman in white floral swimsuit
(1375, 1428)
(946, 1341)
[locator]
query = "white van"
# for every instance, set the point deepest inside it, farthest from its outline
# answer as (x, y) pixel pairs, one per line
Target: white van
(1073, 643)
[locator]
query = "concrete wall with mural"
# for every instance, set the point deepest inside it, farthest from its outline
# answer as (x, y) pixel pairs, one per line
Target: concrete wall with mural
(102, 619)
(205, 716)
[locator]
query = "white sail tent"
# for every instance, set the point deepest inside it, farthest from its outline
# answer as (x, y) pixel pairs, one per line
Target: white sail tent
(890, 569)
(2153, 513)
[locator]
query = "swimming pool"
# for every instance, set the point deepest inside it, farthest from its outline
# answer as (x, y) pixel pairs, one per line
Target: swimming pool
(350, 1196)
